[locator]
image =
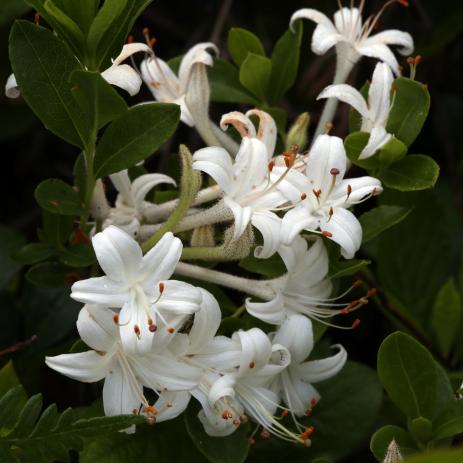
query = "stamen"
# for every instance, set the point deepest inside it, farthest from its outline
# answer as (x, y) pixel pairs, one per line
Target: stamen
(236, 422)
(252, 365)
(264, 434)
(226, 414)
(413, 63)
(271, 165)
(303, 196)
(330, 213)
(170, 330)
(37, 18)
(136, 328)
(356, 323)
(130, 39)
(116, 319)
(349, 191)
(334, 171)
(327, 234)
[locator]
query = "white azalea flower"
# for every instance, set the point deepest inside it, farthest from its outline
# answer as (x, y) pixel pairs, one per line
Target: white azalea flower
(375, 114)
(130, 203)
(352, 37)
(139, 286)
(295, 382)
(166, 86)
(327, 196)
(125, 374)
(118, 74)
(250, 191)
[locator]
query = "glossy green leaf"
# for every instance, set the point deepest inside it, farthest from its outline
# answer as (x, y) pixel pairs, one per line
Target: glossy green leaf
(409, 111)
(225, 84)
(255, 75)
(345, 268)
(379, 219)
(241, 42)
(409, 375)
(134, 136)
(12, 9)
(382, 438)
(450, 422)
(228, 449)
(42, 65)
(56, 228)
(285, 62)
(48, 274)
(82, 12)
(80, 255)
(10, 242)
(58, 197)
(99, 101)
(33, 253)
(446, 316)
(421, 428)
(414, 172)
(391, 152)
(270, 268)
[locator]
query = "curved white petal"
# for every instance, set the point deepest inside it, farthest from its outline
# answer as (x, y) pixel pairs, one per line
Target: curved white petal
(171, 404)
(216, 162)
(296, 335)
(11, 87)
(118, 254)
(381, 52)
(179, 298)
(272, 312)
(221, 354)
(87, 367)
(267, 131)
(346, 231)
(297, 394)
(197, 54)
(319, 370)
(379, 94)
(346, 94)
(324, 38)
(160, 79)
(394, 37)
(378, 138)
(131, 48)
(121, 395)
(256, 349)
(97, 327)
(348, 22)
(312, 15)
(121, 182)
(242, 216)
(123, 76)
(100, 290)
(242, 123)
(359, 187)
(269, 225)
(144, 183)
(159, 262)
(294, 221)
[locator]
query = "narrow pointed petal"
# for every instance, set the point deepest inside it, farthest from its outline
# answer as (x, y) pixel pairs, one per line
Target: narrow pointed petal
(381, 52)
(319, 370)
(346, 94)
(394, 37)
(312, 15)
(267, 132)
(256, 349)
(379, 94)
(120, 395)
(100, 290)
(87, 367)
(171, 404)
(97, 327)
(197, 54)
(272, 312)
(346, 231)
(159, 262)
(296, 335)
(160, 79)
(143, 184)
(11, 87)
(360, 187)
(378, 138)
(122, 183)
(297, 394)
(269, 225)
(118, 254)
(294, 221)
(131, 48)
(242, 216)
(123, 76)
(323, 38)
(215, 162)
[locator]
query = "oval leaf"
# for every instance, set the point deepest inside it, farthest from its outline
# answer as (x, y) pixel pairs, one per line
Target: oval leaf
(450, 422)
(382, 438)
(255, 74)
(241, 42)
(33, 253)
(58, 197)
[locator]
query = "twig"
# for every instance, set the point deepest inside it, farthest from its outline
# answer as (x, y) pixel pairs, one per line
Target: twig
(19, 346)
(220, 21)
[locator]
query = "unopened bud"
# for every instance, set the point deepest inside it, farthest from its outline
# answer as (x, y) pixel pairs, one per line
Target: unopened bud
(203, 237)
(393, 454)
(298, 133)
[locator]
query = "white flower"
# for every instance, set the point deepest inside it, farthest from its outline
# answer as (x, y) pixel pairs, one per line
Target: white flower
(139, 285)
(327, 196)
(250, 192)
(166, 86)
(125, 374)
(374, 115)
(130, 202)
(11, 87)
(353, 38)
(295, 382)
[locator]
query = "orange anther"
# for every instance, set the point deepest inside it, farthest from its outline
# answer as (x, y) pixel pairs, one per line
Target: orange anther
(226, 414)
(403, 2)
(317, 193)
(265, 434)
(170, 330)
(149, 409)
(152, 41)
(303, 196)
(152, 328)
(284, 413)
(251, 440)
(135, 411)
(161, 287)
(146, 31)
(313, 402)
(327, 234)
(271, 165)
(136, 328)
(372, 292)
(37, 18)
(357, 283)
(130, 39)
(330, 212)
(356, 323)
(116, 319)
(252, 364)
(334, 171)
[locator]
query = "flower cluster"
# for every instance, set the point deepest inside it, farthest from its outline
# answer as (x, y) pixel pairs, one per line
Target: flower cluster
(148, 331)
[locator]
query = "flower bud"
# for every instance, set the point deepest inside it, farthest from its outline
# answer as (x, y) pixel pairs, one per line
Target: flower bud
(203, 236)
(298, 133)
(393, 454)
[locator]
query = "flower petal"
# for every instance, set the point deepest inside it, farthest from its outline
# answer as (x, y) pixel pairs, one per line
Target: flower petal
(378, 138)
(256, 349)
(242, 123)
(179, 298)
(297, 394)
(171, 404)
(319, 370)
(131, 48)
(346, 94)
(100, 290)
(242, 216)
(196, 54)
(323, 38)
(217, 163)
(123, 185)
(296, 335)
(313, 15)
(144, 183)
(379, 94)
(394, 37)
(348, 22)
(294, 221)
(160, 79)
(11, 87)
(272, 312)
(379, 51)
(97, 328)
(123, 76)
(267, 132)
(359, 188)
(269, 225)
(311, 265)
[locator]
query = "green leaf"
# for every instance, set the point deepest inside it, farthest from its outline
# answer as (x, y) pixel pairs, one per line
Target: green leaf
(8, 378)
(241, 42)
(285, 62)
(271, 268)
(49, 436)
(450, 422)
(382, 438)
(166, 442)
(345, 268)
(414, 172)
(11, 404)
(421, 428)
(48, 274)
(107, 15)
(97, 98)
(446, 316)
(225, 84)
(33, 253)
(409, 375)
(82, 12)
(228, 449)
(42, 65)
(10, 242)
(134, 136)
(443, 456)
(381, 218)
(391, 152)
(58, 197)
(255, 75)
(12, 9)
(56, 228)
(80, 255)
(409, 111)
